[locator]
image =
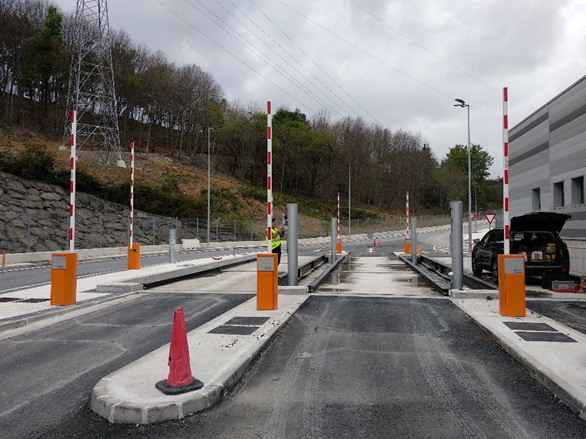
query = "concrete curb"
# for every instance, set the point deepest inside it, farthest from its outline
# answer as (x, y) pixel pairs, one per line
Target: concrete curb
(129, 395)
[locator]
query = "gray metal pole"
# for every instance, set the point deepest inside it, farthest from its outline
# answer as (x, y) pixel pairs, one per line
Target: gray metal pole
(349, 198)
(469, 188)
(100, 242)
(456, 246)
(172, 239)
(413, 240)
(154, 231)
(209, 162)
(28, 230)
(334, 227)
(292, 245)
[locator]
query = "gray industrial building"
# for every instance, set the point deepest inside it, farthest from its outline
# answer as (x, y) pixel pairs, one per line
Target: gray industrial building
(547, 165)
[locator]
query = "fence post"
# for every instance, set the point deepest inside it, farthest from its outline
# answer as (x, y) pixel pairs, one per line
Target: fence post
(28, 230)
(100, 229)
(154, 237)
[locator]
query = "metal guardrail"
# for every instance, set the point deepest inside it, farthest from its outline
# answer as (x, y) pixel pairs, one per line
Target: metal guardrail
(304, 270)
(438, 274)
(318, 280)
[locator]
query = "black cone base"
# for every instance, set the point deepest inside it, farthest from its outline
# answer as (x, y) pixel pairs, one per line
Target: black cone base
(176, 390)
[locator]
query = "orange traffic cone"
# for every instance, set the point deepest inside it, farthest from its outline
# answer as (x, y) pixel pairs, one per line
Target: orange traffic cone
(180, 379)
(380, 244)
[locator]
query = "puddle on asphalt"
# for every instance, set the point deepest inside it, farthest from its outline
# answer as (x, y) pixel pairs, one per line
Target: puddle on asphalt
(368, 275)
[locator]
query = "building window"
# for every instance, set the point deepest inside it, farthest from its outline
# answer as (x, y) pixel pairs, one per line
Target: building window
(536, 199)
(578, 190)
(558, 194)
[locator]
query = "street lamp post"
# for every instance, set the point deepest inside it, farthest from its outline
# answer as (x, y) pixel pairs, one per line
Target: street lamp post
(208, 228)
(463, 104)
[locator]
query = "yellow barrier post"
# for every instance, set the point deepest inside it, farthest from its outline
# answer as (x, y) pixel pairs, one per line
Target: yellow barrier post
(512, 285)
(63, 278)
(3, 258)
(267, 281)
(134, 256)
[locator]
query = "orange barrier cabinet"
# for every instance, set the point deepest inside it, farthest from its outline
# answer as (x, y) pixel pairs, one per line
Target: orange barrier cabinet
(63, 278)
(267, 281)
(512, 285)
(134, 256)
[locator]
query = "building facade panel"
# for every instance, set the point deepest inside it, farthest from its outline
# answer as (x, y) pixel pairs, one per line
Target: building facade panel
(547, 159)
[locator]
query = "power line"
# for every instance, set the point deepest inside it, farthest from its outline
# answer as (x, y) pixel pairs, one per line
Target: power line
(316, 64)
(252, 48)
(282, 49)
(231, 54)
(374, 56)
(408, 38)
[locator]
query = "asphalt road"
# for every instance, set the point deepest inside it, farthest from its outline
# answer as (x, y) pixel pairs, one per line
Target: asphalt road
(47, 375)
(369, 368)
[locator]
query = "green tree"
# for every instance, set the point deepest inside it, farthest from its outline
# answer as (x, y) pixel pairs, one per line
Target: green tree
(480, 161)
(46, 61)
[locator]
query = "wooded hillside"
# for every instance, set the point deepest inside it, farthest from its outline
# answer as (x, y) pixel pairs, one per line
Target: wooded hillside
(168, 108)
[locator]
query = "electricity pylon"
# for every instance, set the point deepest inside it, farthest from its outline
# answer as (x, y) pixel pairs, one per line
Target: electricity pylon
(91, 82)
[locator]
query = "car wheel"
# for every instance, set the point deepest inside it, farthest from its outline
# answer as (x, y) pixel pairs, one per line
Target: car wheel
(495, 271)
(475, 268)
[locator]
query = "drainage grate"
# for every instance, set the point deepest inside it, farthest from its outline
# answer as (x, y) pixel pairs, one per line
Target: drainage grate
(33, 300)
(545, 336)
(527, 326)
(247, 321)
(233, 330)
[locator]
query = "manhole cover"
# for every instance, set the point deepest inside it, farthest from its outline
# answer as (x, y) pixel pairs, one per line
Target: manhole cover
(248, 321)
(527, 326)
(233, 330)
(545, 336)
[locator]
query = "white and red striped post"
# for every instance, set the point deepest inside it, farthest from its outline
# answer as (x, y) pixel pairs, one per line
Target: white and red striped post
(407, 214)
(507, 249)
(72, 183)
(269, 178)
(338, 217)
(131, 219)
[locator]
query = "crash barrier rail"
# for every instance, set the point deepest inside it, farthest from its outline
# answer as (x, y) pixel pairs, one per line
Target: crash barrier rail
(318, 280)
(438, 274)
(37, 230)
(304, 270)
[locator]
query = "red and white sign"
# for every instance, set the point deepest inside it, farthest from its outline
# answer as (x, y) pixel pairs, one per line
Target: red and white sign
(490, 217)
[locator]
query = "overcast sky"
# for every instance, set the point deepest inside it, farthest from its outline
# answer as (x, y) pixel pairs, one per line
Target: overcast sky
(397, 63)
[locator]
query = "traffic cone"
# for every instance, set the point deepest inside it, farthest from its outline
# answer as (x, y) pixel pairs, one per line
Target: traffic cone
(380, 244)
(180, 379)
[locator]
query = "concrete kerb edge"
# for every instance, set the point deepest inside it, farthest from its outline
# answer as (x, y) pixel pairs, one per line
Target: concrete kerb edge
(117, 411)
(21, 322)
(549, 378)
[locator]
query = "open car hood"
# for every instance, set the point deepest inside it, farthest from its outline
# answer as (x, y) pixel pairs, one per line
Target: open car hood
(546, 221)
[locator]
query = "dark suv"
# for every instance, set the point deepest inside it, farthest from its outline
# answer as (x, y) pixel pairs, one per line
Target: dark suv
(536, 236)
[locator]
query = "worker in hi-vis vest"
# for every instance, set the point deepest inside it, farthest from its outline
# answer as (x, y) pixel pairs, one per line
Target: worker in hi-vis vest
(276, 234)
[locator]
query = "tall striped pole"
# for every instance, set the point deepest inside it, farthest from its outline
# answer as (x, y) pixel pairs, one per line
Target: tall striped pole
(131, 224)
(338, 217)
(407, 214)
(72, 183)
(269, 177)
(507, 249)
